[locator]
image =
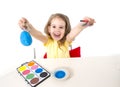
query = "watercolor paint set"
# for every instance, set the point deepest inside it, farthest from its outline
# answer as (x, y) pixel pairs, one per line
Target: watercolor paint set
(33, 73)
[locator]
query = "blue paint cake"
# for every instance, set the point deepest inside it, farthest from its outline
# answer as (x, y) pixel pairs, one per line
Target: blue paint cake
(62, 74)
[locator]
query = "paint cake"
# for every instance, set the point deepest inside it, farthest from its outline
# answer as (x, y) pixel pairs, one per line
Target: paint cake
(33, 73)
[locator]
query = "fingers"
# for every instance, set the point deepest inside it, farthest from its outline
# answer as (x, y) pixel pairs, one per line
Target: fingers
(91, 21)
(22, 23)
(24, 20)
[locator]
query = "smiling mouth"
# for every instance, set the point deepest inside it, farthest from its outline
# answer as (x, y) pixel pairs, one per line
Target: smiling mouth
(56, 35)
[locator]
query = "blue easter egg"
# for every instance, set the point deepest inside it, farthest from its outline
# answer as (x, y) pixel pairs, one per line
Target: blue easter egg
(25, 38)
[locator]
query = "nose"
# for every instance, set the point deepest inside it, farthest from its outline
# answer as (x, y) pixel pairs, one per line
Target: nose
(57, 29)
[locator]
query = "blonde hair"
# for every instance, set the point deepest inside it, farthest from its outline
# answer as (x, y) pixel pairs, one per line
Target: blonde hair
(67, 25)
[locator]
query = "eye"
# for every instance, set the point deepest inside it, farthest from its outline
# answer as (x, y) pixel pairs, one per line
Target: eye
(53, 26)
(61, 27)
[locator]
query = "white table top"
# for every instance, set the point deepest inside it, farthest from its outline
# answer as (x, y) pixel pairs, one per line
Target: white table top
(85, 72)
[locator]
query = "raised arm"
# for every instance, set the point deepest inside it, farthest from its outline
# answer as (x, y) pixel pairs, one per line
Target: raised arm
(79, 27)
(25, 25)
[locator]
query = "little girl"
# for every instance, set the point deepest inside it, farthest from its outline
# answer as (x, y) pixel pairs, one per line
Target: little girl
(59, 34)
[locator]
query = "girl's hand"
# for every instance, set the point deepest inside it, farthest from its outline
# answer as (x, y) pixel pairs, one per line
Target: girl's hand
(91, 21)
(23, 23)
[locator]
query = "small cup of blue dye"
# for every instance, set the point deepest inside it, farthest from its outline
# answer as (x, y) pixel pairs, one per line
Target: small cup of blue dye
(61, 74)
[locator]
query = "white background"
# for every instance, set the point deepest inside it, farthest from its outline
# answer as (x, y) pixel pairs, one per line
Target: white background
(102, 39)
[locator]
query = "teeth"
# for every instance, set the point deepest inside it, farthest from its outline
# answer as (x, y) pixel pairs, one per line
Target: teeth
(57, 34)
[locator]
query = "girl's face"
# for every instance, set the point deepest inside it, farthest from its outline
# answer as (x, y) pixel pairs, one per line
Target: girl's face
(57, 29)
